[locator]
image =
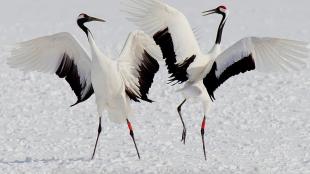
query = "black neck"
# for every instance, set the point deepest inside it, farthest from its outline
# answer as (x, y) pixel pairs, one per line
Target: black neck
(80, 23)
(220, 30)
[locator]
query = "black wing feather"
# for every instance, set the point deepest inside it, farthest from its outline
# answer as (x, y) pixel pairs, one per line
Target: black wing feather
(147, 70)
(212, 82)
(68, 70)
(178, 71)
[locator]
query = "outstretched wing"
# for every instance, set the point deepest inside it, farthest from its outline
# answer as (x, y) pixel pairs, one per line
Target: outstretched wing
(59, 53)
(137, 65)
(262, 54)
(170, 30)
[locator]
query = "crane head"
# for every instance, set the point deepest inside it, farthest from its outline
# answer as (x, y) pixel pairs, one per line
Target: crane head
(222, 9)
(83, 18)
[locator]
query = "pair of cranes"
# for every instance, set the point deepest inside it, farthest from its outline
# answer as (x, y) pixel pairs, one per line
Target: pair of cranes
(115, 83)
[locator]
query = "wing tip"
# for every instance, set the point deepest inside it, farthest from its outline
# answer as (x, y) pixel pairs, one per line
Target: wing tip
(148, 100)
(78, 102)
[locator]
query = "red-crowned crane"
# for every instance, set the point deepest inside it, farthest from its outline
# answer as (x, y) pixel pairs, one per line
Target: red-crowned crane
(203, 73)
(114, 83)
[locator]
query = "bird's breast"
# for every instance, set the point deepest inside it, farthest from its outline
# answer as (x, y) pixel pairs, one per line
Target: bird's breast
(197, 68)
(106, 82)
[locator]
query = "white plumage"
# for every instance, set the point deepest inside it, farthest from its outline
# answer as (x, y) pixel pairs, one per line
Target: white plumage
(153, 16)
(204, 73)
(45, 54)
(132, 56)
(269, 54)
(114, 83)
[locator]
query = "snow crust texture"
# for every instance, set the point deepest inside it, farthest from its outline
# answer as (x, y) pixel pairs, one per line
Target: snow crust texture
(260, 123)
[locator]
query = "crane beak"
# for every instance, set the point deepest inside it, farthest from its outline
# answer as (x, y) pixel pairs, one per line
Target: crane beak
(96, 19)
(208, 12)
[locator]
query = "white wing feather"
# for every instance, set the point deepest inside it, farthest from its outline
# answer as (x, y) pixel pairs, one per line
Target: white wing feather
(269, 54)
(132, 60)
(45, 54)
(153, 16)
(252, 53)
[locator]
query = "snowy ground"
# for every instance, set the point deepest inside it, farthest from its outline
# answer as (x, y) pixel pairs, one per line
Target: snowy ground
(259, 123)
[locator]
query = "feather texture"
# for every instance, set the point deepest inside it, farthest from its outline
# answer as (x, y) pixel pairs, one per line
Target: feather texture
(59, 53)
(262, 54)
(138, 66)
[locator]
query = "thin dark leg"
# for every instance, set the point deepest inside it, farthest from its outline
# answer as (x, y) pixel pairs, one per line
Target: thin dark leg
(203, 125)
(132, 136)
(184, 128)
(99, 131)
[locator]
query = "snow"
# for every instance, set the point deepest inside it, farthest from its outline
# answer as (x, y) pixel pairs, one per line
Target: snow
(259, 123)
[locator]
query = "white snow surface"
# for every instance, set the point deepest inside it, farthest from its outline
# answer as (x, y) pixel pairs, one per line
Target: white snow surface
(259, 123)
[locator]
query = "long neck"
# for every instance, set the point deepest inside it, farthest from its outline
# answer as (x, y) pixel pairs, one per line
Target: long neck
(220, 30)
(89, 35)
(93, 46)
(83, 27)
(97, 56)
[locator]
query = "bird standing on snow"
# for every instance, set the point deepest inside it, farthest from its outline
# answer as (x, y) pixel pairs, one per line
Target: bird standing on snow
(204, 73)
(114, 83)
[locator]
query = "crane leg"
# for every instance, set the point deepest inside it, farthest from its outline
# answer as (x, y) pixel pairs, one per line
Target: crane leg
(203, 125)
(99, 131)
(184, 128)
(132, 136)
